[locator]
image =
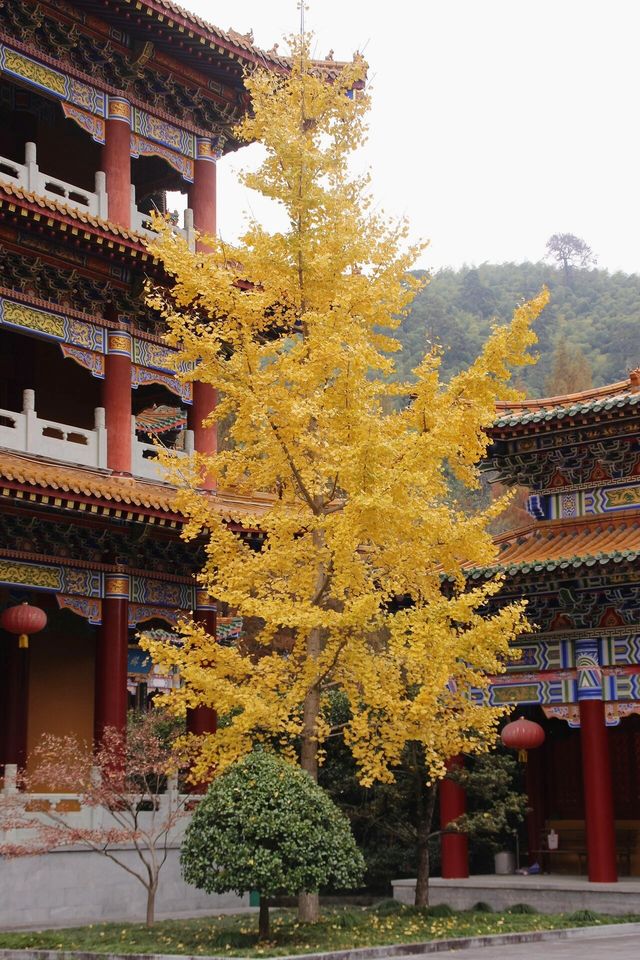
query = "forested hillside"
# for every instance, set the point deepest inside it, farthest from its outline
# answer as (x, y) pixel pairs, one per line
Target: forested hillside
(592, 323)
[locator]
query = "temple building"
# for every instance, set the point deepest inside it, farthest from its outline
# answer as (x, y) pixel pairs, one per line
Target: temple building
(106, 108)
(577, 565)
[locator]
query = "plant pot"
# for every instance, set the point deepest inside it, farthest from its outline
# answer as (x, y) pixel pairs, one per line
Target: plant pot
(505, 862)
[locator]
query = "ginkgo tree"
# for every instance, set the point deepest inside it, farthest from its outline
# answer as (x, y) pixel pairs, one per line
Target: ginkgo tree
(295, 330)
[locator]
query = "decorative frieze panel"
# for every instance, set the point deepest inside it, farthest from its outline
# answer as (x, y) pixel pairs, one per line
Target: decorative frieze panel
(86, 343)
(93, 362)
(618, 651)
(58, 579)
(146, 148)
(82, 592)
(161, 593)
(51, 325)
(543, 655)
(90, 123)
(585, 502)
(54, 82)
(89, 107)
(559, 654)
(160, 131)
(89, 608)
(613, 684)
(570, 712)
(532, 688)
(142, 613)
(140, 376)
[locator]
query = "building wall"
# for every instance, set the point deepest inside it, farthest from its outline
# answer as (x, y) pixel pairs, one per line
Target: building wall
(72, 887)
(61, 681)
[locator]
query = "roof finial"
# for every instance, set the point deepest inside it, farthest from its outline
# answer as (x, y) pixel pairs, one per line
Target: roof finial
(634, 379)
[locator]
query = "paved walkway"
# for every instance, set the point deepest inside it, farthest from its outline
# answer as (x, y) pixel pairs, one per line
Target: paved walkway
(599, 948)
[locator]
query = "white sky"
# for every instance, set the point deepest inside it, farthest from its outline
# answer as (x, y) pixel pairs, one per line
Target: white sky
(495, 123)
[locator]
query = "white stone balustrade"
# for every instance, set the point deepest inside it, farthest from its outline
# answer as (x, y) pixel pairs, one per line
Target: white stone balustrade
(96, 202)
(26, 432)
(28, 176)
(144, 456)
(142, 223)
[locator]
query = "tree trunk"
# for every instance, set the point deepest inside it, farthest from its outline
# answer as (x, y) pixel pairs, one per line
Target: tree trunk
(264, 929)
(309, 907)
(426, 804)
(311, 710)
(151, 904)
(309, 903)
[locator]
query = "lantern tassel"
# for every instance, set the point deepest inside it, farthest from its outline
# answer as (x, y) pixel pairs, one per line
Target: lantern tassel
(522, 756)
(23, 641)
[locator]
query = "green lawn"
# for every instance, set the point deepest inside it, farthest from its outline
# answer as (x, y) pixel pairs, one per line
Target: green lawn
(340, 927)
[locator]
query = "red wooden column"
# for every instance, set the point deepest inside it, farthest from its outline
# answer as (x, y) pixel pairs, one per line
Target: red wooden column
(116, 399)
(535, 802)
(454, 847)
(202, 192)
(596, 765)
(116, 160)
(202, 200)
(112, 651)
(203, 720)
(205, 439)
(16, 707)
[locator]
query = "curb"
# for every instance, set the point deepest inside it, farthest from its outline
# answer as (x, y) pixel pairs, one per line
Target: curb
(603, 931)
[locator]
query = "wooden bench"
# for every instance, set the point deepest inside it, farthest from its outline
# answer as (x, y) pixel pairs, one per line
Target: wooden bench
(572, 843)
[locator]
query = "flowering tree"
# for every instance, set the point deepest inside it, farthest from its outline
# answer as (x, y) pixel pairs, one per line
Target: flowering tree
(128, 780)
(295, 329)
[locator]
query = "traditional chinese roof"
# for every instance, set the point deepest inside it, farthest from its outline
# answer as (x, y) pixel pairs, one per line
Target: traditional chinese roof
(565, 544)
(161, 418)
(63, 211)
(79, 485)
(620, 395)
(189, 36)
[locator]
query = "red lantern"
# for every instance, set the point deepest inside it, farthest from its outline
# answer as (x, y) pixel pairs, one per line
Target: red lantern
(522, 735)
(23, 620)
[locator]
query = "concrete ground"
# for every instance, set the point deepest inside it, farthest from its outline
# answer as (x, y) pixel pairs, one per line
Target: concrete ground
(546, 893)
(625, 947)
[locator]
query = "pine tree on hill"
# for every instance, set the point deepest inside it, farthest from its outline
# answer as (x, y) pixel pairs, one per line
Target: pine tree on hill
(570, 370)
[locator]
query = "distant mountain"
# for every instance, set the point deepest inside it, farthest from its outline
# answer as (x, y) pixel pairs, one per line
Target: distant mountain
(597, 313)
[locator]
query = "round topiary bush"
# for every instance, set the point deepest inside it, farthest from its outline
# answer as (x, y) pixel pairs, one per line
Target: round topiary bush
(522, 908)
(482, 907)
(265, 825)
